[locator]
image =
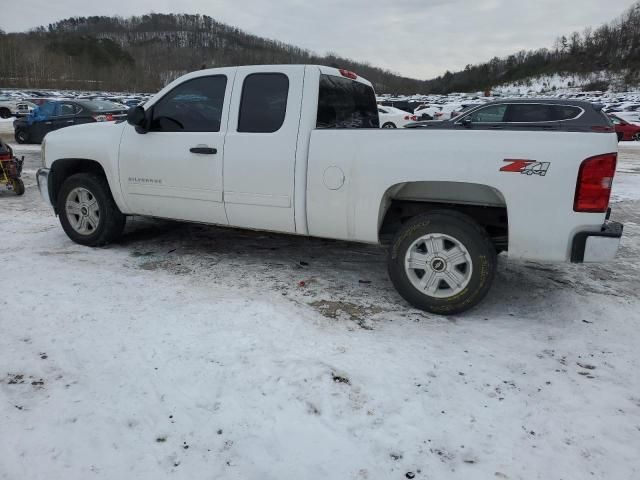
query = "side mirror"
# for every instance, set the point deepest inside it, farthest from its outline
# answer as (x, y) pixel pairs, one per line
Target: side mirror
(136, 116)
(466, 121)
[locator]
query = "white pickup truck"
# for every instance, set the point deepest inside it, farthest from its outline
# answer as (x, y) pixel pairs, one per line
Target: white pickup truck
(297, 149)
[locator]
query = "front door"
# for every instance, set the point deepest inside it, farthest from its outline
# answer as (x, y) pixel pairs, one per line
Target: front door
(260, 147)
(175, 169)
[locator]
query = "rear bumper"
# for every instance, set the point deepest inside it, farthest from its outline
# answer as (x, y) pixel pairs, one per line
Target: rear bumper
(42, 175)
(594, 247)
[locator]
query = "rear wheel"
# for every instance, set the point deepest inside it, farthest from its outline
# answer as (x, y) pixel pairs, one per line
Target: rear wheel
(442, 262)
(87, 211)
(636, 137)
(21, 136)
(389, 125)
(5, 112)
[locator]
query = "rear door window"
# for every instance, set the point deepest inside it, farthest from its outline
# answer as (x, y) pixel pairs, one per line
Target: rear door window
(263, 105)
(531, 113)
(65, 110)
(345, 103)
(566, 112)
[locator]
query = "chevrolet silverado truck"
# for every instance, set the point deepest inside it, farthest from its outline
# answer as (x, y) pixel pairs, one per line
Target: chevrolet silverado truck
(298, 149)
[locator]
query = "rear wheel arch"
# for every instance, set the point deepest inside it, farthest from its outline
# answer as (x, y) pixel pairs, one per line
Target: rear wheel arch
(484, 204)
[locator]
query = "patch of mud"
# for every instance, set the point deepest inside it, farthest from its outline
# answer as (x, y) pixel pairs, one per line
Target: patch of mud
(340, 310)
(167, 265)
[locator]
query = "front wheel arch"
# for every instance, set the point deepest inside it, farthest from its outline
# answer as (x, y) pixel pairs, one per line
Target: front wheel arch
(63, 168)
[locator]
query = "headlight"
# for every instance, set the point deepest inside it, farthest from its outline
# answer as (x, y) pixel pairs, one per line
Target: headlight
(42, 148)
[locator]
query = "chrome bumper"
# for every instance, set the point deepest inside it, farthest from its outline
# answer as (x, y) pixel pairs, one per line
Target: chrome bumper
(42, 175)
(594, 247)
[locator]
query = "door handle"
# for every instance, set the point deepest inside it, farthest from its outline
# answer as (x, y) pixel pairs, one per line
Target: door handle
(70, 121)
(48, 123)
(203, 150)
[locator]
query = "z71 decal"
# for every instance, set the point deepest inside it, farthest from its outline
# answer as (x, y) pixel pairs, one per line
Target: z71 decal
(526, 167)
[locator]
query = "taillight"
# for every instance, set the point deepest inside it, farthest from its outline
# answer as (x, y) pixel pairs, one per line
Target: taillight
(594, 183)
(348, 74)
(602, 129)
(5, 156)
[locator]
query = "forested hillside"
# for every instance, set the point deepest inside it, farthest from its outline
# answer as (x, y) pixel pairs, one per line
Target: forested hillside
(144, 53)
(612, 48)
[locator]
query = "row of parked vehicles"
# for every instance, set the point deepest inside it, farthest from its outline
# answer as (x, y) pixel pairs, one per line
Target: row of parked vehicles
(41, 114)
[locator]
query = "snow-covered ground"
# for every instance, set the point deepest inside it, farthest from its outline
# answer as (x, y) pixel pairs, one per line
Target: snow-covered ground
(189, 351)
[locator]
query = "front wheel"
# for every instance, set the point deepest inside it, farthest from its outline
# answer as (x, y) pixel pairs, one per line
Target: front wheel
(88, 214)
(636, 137)
(442, 262)
(5, 113)
(22, 136)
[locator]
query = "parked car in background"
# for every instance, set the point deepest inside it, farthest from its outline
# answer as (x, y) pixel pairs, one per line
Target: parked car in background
(8, 106)
(624, 129)
(24, 108)
(529, 114)
(429, 112)
(57, 114)
(629, 117)
(405, 105)
(391, 117)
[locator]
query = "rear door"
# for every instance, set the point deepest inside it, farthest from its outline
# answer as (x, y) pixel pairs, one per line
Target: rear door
(260, 147)
(43, 121)
(65, 115)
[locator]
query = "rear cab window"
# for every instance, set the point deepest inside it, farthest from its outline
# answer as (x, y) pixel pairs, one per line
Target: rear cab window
(346, 103)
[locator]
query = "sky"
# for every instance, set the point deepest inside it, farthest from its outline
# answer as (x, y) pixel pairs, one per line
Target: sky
(417, 38)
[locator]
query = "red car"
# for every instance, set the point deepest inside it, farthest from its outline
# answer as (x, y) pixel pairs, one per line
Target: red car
(625, 130)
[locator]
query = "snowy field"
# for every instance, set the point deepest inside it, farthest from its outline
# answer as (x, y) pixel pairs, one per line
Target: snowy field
(196, 352)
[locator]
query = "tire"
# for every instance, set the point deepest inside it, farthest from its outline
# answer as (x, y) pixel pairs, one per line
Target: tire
(18, 186)
(97, 219)
(22, 136)
(620, 136)
(5, 112)
(636, 137)
(456, 238)
(389, 125)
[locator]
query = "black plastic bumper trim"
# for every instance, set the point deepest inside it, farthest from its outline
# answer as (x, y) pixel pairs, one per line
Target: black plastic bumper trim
(609, 229)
